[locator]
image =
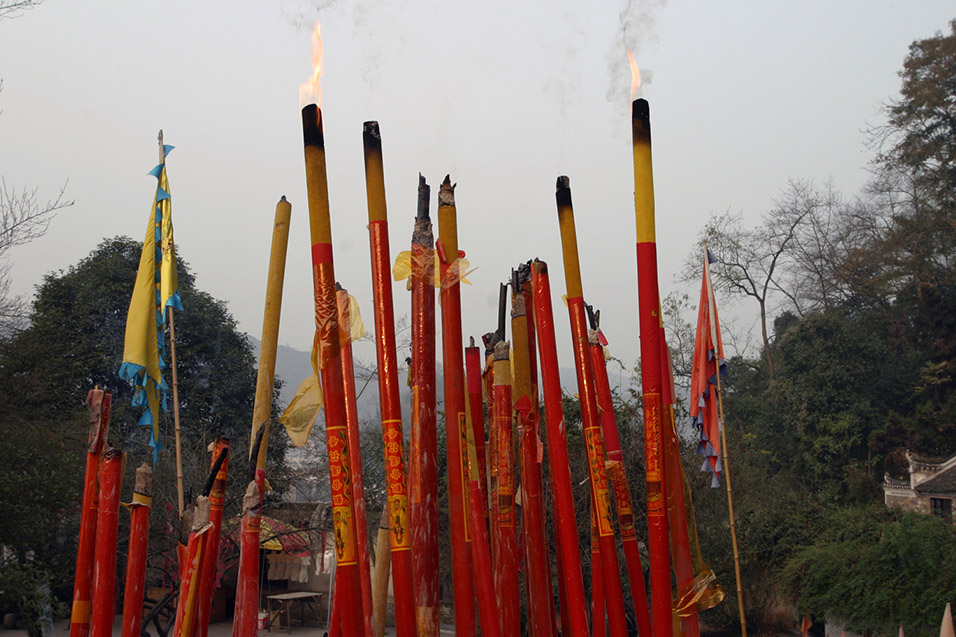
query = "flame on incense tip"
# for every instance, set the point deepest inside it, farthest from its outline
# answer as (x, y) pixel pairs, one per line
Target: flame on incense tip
(635, 76)
(310, 91)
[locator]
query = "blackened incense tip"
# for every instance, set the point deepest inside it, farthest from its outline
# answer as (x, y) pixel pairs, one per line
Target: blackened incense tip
(283, 198)
(424, 195)
(641, 116)
(312, 133)
(339, 288)
(371, 129)
(446, 194)
(563, 193)
(372, 137)
(540, 266)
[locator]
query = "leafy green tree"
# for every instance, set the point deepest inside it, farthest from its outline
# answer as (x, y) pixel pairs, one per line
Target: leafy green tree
(75, 341)
(875, 568)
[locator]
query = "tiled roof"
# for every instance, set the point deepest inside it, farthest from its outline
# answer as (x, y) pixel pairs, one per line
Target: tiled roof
(942, 482)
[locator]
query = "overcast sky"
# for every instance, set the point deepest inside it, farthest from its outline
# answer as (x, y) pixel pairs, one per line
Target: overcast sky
(505, 96)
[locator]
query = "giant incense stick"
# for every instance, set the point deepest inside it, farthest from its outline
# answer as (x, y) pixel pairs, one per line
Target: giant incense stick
(611, 574)
(207, 568)
(423, 447)
(265, 376)
(389, 392)
(244, 619)
(649, 313)
(247, 587)
(619, 482)
(569, 554)
(503, 492)
(328, 337)
(598, 606)
(532, 509)
(189, 582)
(98, 402)
(104, 570)
(136, 556)
(686, 602)
(455, 422)
(355, 456)
(476, 413)
(481, 552)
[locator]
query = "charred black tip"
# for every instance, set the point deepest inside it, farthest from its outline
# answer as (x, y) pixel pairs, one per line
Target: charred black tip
(312, 134)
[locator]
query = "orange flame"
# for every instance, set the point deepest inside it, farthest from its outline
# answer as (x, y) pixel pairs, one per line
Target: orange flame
(311, 90)
(635, 75)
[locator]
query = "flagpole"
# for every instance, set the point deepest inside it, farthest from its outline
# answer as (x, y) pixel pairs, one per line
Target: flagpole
(723, 445)
(172, 362)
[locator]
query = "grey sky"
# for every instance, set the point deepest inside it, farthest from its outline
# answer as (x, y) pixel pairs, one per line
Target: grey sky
(504, 96)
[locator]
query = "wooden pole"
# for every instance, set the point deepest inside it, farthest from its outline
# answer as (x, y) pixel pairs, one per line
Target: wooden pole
(649, 311)
(107, 527)
(355, 457)
(593, 440)
(136, 556)
(172, 363)
(98, 402)
(506, 559)
(532, 509)
(380, 582)
(388, 385)
(423, 446)
(566, 532)
(329, 337)
(712, 308)
(455, 423)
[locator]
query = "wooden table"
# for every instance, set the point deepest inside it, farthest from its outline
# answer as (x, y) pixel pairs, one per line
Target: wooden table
(282, 604)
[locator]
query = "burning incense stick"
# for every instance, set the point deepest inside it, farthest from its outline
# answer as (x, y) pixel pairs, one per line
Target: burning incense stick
(104, 571)
(455, 423)
(614, 597)
(98, 402)
(355, 456)
(389, 392)
(649, 311)
(423, 448)
(569, 555)
(348, 588)
(532, 511)
(136, 556)
(506, 539)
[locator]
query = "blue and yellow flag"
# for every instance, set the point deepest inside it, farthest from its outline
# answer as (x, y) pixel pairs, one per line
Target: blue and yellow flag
(156, 288)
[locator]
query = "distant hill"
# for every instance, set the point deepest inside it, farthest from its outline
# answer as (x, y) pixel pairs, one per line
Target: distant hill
(293, 366)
